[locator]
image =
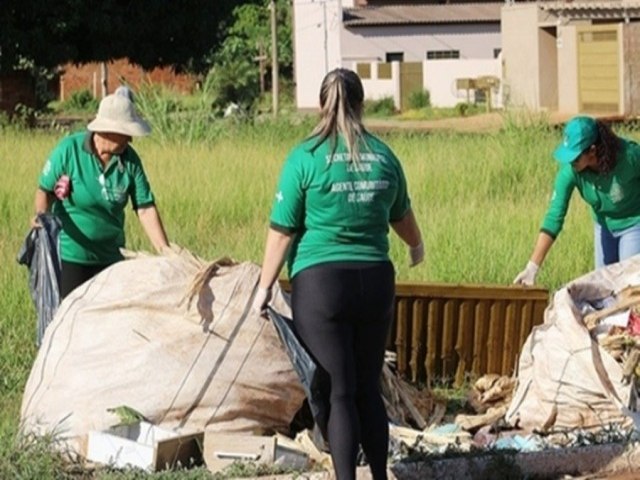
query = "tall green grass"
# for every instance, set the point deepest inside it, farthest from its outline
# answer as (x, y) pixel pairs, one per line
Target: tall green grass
(479, 199)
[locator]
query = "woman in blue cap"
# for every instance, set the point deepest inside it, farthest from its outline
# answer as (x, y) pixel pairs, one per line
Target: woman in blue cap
(606, 171)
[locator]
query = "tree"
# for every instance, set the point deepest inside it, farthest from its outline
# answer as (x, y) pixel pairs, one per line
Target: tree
(236, 75)
(149, 32)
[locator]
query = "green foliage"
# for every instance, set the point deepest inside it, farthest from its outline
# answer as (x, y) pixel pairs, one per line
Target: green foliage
(525, 122)
(383, 107)
(23, 116)
(236, 77)
(173, 119)
(148, 32)
(80, 101)
(462, 109)
(420, 99)
(249, 469)
(437, 113)
(234, 81)
(31, 457)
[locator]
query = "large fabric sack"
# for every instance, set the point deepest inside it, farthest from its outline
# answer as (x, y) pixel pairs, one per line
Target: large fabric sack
(566, 379)
(134, 336)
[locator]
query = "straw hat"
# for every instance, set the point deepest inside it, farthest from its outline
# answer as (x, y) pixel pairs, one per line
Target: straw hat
(117, 114)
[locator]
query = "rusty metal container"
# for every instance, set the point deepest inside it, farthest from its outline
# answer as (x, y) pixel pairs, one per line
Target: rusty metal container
(454, 332)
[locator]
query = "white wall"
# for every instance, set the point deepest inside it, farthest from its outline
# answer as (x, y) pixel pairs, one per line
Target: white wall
(375, 88)
(373, 43)
(321, 43)
(317, 46)
(440, 79)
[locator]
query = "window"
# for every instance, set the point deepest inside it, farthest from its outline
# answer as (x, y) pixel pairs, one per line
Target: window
(442, 54)
(394, 57)
(384, 71)
(364, 70)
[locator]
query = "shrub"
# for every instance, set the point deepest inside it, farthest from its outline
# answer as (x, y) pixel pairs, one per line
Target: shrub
(419, 99)
(462, 109)
(384, 106)
(81, 101)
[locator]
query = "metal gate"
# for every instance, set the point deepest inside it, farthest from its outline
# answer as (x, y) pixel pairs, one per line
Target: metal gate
(599, 69)
(410, 81)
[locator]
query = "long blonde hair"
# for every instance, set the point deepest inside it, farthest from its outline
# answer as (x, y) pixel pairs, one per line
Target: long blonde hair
(341, 105)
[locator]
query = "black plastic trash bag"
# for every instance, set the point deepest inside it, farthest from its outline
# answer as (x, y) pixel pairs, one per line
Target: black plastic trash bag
(40, 252)
(313, 378)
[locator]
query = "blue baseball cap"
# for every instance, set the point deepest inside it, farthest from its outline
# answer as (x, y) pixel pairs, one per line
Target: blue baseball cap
(579, 134)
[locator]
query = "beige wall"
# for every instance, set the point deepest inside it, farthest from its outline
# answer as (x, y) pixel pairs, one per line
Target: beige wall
(520, 54)
(631, 69)
(548, 68)
(622, 67)
(567, 48)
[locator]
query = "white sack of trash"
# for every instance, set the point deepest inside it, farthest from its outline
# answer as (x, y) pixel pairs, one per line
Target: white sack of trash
(171, 337)
(566, 379)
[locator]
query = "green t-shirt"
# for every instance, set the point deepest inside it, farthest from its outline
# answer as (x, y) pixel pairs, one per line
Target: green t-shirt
(93, 214)
(614, 198)
(339, 210)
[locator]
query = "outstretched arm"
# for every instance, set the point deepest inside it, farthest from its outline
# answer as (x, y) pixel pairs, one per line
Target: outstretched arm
(540, 250)
(408, 230)
(275, 253)
(41, 204)
(152, 225)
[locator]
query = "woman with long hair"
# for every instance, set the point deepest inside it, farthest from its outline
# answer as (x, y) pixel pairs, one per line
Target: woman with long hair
(338, 193)
(605, 169)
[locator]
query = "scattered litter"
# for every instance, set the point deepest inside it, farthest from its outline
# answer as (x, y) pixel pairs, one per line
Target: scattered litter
(144, 446)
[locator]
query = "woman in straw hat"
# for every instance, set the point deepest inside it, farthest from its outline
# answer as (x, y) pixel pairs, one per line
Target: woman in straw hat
(605, 169)
(87, 181)
(339, 192)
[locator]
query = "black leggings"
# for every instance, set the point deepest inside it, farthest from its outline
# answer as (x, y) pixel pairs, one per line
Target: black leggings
(75, 274)
(342, 313)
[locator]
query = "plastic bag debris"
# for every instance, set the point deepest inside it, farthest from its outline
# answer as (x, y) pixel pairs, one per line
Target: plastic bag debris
(40, 252)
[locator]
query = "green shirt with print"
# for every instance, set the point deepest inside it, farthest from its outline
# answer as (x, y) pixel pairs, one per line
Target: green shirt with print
(339, 209)
(614, 198)
(92, 215)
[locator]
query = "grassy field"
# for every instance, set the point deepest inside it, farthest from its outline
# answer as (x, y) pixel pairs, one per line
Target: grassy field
(479, 199)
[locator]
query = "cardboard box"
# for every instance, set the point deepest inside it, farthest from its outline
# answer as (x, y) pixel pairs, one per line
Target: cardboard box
(221, 450)
(145, 446)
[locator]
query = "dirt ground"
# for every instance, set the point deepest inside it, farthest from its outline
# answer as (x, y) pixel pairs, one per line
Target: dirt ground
(485, 122)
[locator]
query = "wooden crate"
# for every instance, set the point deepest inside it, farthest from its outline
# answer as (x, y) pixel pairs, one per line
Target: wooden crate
(451, 332)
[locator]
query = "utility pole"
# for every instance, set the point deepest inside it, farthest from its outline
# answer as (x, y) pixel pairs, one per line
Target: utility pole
(326, 37)
(261, 64)
(274, 58)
